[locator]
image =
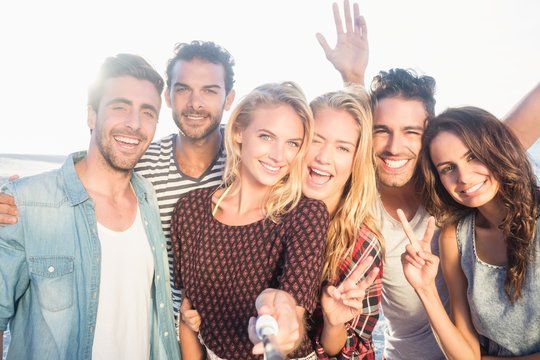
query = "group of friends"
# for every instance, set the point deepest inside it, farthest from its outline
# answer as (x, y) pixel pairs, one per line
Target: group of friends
(318, 213)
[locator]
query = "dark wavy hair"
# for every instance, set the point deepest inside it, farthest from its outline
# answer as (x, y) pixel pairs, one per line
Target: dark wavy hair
(204, 50)
(406, 84)
(492, 143)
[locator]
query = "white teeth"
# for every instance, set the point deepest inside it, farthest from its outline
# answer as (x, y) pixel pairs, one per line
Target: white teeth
(194, 117)
(474, 188)
(319, 172)
(319, 177)
(271, 168)
(395, 163)
(127, 140)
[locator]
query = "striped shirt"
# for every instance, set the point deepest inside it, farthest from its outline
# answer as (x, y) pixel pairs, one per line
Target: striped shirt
(160, 166)
(359, 343)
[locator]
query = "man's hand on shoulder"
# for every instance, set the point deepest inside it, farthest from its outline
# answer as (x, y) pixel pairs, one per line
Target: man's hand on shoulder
(8, 209)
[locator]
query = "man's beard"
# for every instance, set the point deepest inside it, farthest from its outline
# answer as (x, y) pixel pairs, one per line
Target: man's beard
(198, 133)
(114, 160)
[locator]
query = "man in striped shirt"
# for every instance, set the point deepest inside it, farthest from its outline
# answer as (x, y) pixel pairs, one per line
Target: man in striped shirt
(200, 80)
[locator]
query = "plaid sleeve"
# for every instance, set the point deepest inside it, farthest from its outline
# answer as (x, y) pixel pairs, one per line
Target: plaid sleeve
(359, 343)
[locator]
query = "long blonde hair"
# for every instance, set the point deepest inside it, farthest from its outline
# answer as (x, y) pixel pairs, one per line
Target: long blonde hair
(357, 206)
(286, 193)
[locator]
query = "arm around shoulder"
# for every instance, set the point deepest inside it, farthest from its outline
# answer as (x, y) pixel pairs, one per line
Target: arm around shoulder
(8, 209)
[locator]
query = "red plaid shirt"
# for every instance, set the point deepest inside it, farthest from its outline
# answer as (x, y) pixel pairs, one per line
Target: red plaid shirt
(359, 344)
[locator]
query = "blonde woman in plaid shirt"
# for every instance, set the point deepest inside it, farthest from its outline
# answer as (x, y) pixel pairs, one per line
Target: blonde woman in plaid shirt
(340, 172)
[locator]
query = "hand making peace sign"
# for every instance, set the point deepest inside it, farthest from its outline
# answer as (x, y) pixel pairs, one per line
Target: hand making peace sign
(344, 302)
(420, 266)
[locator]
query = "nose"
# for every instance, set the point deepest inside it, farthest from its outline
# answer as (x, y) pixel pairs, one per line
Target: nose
(195, 100)
(464, 173)
(324, 155)
(277, 152)
(394, 144)
(133, 120)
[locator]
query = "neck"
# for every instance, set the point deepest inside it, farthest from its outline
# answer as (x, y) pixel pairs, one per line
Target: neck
(332, 206)
(491, 214)
(114, 199)
(239, 205)
(99, 178)
(404, 198)
(251, 194)
(195, 156)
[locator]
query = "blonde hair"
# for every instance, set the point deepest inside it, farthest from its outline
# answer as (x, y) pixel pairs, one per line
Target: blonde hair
(357, 206)
(286, 193)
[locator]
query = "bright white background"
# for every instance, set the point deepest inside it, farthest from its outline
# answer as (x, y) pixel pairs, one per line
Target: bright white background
(481, 52)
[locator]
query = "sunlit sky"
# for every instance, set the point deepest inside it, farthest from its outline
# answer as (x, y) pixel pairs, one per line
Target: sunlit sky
(481, 52)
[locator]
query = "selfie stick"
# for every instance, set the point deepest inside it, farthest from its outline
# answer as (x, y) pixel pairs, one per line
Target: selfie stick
(266, 328)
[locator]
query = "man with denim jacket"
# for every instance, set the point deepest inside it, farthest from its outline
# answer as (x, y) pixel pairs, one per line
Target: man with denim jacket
(83, 273)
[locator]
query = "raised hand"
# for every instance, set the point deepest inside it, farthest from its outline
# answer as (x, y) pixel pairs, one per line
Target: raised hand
(190, 316)
(344, 302)
(420, 266)
(351, 53)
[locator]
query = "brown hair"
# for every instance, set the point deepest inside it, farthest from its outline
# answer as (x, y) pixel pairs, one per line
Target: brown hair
(492, 143)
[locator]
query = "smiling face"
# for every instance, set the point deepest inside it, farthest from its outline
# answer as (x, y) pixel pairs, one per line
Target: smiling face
(269, 144)
(330, 156)
(398, 125)
(197, 97)
(125, 122)
(466, 178)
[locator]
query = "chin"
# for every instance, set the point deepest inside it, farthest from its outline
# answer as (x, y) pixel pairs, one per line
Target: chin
(314, 195)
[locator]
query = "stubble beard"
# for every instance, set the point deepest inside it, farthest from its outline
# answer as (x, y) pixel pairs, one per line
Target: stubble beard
(115, 161)
(198, 133)
(394, 181)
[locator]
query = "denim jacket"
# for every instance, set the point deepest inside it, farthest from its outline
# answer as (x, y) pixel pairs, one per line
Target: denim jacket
(50, 269)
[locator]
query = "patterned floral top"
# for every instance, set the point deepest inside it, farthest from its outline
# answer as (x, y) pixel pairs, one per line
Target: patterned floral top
(223, 268)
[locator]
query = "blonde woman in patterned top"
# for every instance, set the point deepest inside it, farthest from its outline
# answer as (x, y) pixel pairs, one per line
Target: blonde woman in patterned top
(256, 231)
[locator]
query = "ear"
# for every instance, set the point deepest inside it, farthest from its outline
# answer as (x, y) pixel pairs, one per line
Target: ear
(91, 117)
(238, 136)
(167, 96)
(229, 100)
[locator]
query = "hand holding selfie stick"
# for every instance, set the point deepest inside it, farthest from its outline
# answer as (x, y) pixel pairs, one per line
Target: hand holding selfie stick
(266, 328)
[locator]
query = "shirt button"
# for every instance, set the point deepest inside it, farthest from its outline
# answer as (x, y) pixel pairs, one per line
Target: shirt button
(146, 223)
(166, 333)
(94, 295)
(50, 269)
(157, 277)
(162, 305)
